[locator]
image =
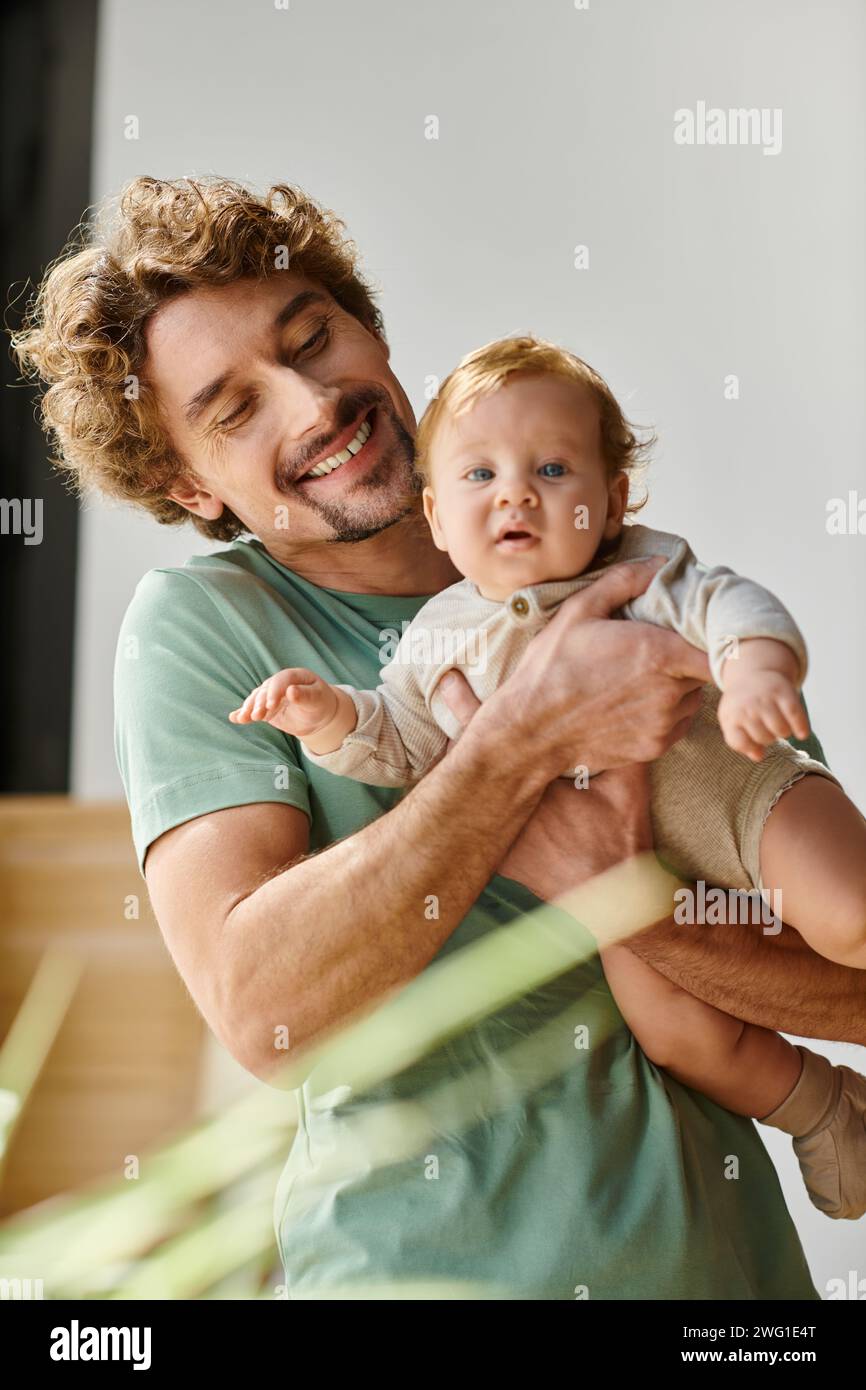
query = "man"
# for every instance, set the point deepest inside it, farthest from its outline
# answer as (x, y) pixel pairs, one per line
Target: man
(214, 359)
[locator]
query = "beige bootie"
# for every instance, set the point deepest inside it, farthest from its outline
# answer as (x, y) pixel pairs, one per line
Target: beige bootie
(826, 1115)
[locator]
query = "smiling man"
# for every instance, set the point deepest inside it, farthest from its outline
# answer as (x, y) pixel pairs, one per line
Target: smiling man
(360, 429)
(266, 410)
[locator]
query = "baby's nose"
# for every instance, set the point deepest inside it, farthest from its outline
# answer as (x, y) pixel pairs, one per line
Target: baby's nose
(516, 492)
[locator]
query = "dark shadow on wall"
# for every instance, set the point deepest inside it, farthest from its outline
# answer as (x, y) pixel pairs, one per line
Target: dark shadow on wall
(48, 51)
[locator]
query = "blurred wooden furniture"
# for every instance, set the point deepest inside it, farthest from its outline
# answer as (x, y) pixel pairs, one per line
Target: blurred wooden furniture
(123, 1072)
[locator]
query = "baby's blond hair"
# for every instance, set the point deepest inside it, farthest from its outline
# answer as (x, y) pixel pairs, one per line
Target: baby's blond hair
(487, 368)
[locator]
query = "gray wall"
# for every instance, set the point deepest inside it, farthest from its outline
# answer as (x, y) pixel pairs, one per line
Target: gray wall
(557, 129)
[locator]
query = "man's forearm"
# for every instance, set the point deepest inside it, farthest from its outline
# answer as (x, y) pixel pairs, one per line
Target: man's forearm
(777, 981)
(337, 930)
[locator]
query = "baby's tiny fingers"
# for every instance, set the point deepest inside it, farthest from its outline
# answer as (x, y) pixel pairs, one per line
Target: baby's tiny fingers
(259, 702)
(241, 715)
(755, 750)
(759, 738)
(764, 729)
(739, 738)
(796, 716)
(776, 721)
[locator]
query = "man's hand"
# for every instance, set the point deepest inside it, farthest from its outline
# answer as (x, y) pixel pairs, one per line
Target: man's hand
(574, 833)
(600, 694)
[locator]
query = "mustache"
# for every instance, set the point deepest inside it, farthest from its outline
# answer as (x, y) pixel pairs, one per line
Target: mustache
(350, 409)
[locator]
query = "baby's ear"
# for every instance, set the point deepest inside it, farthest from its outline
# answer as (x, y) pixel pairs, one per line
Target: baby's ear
(617, 501)
(428, 499)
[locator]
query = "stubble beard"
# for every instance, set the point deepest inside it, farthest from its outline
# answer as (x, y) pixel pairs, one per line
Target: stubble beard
(381, 499)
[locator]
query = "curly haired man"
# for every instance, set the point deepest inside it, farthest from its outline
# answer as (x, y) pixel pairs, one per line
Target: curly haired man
(217, 356)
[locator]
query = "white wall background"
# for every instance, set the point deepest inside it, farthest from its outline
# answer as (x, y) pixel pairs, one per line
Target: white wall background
(556, 129)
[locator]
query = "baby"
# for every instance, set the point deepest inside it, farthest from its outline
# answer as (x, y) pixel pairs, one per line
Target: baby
(528, 465)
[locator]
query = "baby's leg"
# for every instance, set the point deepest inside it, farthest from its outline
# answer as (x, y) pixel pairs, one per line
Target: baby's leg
(740, 1066)
(813, 850)
(753, 1072)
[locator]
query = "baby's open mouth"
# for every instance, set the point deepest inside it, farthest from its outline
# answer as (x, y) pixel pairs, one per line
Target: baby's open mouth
(516, 538)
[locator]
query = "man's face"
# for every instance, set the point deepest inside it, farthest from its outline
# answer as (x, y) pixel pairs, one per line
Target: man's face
(259, 383)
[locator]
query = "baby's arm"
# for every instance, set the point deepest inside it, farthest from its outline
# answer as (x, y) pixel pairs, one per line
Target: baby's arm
(384, 737)
(300, 703)
(757, 653)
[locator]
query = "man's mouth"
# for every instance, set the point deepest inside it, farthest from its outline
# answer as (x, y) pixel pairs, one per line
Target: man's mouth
(353, 451)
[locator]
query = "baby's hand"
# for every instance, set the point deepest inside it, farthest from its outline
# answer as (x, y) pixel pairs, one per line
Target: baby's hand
(758, 707)
(296, 700)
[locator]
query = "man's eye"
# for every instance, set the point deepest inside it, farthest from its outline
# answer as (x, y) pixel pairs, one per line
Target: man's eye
(236, 414)
(473, 475)
(317, 340)
(552, 470)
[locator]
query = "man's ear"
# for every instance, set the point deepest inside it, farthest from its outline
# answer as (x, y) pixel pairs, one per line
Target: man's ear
(429, 500)
(617, 501)
(195, 498)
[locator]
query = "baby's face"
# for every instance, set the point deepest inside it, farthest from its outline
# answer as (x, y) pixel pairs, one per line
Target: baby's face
(520, 492)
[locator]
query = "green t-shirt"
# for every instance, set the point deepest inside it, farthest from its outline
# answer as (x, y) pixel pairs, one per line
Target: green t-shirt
(596, 1174)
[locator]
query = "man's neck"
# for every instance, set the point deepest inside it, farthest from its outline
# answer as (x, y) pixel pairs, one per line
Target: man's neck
(401, 561)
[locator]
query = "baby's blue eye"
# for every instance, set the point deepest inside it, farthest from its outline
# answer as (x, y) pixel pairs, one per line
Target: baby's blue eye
(557, 468)
(473, 473)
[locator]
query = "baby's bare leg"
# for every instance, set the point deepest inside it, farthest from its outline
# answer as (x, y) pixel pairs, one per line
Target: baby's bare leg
(740, 1066)
(753, 1072)
(813, 850)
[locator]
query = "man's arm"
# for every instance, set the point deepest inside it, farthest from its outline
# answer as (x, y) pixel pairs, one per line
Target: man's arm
(265, 938)
(776, 981)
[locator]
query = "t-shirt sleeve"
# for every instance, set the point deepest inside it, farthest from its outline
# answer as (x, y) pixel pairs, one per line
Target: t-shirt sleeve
(178, 672)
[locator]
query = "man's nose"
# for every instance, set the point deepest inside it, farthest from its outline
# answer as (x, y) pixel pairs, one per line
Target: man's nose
(310, 407)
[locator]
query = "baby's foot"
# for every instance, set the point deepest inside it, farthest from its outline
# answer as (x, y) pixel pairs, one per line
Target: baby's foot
(833, 1157)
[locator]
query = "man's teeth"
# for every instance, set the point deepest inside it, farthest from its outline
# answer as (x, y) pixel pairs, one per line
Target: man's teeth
(334, 460)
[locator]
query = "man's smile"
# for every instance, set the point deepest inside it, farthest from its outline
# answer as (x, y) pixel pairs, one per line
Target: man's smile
(357, 449)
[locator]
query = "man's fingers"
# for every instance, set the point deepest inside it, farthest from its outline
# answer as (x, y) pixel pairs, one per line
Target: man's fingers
(679, 658)
(616, 587)
(459, 696)
(679, 730)
(630, 779)
(621, 583)
(688, 706)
